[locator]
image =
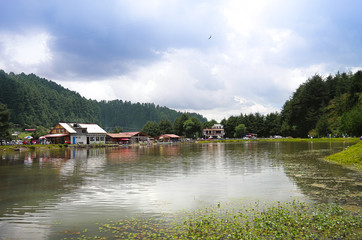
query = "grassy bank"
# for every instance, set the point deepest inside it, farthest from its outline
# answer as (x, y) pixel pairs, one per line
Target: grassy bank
(291, 220)
(350, 157)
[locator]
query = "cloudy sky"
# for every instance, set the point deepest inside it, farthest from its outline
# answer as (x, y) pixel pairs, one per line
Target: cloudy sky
(160, 51)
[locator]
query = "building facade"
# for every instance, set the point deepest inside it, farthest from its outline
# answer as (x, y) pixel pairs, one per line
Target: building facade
(127, 137)
(76, 133)
(215, 132)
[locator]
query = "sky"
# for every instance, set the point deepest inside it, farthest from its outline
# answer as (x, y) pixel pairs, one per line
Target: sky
(219, 58)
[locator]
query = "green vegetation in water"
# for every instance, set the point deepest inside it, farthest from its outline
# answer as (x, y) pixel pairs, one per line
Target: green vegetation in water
(284, 140)
(350, 157)
(292, 220)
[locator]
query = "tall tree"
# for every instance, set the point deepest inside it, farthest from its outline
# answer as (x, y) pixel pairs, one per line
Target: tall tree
(151, 128)
(197, 127)
(189, 127)
(178, 125)
(4, 122)
(165, 126)
(240, 131)
(209, 124)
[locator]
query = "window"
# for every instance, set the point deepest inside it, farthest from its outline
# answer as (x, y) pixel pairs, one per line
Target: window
(97, 139)
(92, 139)
(102, 139)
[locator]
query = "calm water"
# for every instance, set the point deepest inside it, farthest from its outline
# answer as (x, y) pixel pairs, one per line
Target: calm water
(45, 194)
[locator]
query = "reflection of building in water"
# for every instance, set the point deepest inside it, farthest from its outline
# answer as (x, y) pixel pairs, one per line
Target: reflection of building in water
(123, 155)
(169, 150)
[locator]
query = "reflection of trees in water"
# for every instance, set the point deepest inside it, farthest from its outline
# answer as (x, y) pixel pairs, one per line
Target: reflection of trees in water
(33, 178)
(320, 180)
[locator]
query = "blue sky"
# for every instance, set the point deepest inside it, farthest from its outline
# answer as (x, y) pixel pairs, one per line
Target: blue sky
(159, 51)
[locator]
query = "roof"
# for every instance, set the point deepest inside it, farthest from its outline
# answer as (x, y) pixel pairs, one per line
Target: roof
(56, 135)
(126, 134)
(114, 135)
(91, 128)
(67, 127)
(170, 135)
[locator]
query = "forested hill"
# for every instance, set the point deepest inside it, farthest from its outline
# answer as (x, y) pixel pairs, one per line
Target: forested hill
(320, 107)
(35, 101)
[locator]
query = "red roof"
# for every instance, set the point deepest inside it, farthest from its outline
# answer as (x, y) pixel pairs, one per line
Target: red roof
(56, 135)
(170, 136)
(126, 134)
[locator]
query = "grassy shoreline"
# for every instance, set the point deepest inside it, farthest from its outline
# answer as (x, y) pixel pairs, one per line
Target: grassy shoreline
(350, 157)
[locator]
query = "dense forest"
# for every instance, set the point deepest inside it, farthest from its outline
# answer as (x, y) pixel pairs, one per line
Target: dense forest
(320, 107)
(34, 101)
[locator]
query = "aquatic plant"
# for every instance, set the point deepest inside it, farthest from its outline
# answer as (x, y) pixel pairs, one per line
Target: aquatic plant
(291, 220)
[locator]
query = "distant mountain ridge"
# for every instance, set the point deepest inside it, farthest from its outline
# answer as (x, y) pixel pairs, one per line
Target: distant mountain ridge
(35, 101)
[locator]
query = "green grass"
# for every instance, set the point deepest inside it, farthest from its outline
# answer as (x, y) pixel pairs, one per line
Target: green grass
(350, 157)
(291, 220)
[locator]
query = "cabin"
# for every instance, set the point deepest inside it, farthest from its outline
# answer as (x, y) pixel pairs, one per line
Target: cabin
(169, 138)
(76, 133)
(216, 131)
(127, 137)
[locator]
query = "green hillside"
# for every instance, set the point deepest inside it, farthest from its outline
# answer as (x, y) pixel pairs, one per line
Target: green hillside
(35, 101)
(320, 107)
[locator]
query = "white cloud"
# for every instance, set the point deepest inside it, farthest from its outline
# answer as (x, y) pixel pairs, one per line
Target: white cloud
(26, 50)
(259, 53)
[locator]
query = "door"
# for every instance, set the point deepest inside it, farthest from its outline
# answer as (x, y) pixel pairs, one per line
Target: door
(73, 140)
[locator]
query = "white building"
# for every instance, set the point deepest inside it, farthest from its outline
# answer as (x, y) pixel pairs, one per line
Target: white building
(77, 133)
(216, 131)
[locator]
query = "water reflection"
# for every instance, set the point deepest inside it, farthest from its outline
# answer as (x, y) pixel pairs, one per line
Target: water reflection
(74, 188)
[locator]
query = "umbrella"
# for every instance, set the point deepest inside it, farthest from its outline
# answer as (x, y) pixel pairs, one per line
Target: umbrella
(42, 137)
(28, 137)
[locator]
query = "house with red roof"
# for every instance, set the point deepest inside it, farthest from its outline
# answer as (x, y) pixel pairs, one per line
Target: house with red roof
(127, 137)
(169, 138)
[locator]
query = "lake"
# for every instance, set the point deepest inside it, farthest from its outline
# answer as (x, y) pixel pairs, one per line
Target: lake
(45, 194)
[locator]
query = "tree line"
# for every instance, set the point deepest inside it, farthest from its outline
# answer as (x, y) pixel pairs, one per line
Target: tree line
(320, 107)
(190, 127)
(330, 106)
(37, 102)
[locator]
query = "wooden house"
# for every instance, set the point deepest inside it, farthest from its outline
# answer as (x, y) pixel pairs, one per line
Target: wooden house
(127, 137)
(76, 133)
